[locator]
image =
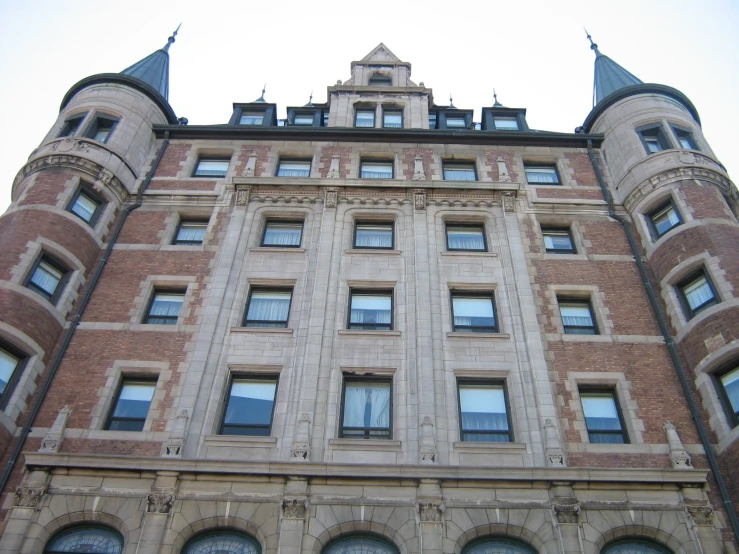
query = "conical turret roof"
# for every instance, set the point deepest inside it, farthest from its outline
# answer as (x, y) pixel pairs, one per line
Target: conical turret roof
(154, 68)
(609, 76)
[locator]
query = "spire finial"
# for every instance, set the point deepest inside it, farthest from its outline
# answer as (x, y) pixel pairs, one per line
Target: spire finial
(593, 45)
(496, 104)
(170, 40)
(261, 98)
(451, 102)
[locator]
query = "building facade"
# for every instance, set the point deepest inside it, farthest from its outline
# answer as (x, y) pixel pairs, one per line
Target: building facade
(375, 326)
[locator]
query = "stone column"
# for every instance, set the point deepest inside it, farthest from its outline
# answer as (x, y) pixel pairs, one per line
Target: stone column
(158, 505)
(566, 517)
(28, 498)
(294, 514)
(430, 511)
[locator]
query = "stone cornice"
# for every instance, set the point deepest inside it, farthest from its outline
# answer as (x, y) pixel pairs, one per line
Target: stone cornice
(37, 460)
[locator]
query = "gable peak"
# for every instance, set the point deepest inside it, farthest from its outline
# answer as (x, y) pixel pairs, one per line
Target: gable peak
(380, 53)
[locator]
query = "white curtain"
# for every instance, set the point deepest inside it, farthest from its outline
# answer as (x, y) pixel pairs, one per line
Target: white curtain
(84, 207)
(483, 408)
(191, 232)
(576, 316)
(543, 175)
(269, 306)
(283, 235)
(367, 405)
(166, 305)
(459, 174)
(371, 309)
(46, 277)
(477, 312)
(698, 292)
(374, 236)
(465, 239)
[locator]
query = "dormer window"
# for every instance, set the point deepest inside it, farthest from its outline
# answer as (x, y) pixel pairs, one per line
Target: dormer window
(365, 118)
(456, 122)
(251, 118)
(303, 119)
(392, 119)
(380, 81)
(506, 124)
(432, 120)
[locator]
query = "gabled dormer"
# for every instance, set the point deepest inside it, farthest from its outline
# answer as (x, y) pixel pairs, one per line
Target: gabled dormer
(310, 115)
(259, 113)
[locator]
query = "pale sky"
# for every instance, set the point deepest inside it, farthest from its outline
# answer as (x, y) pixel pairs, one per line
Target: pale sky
(534, 53)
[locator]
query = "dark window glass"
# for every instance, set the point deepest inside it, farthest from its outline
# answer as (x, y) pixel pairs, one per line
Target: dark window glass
(376, 170)
(47, 278)
(287, 234)
(474, 312)
(685, 138)
(460, 172)
(558, 241)
(268, 308)
(165, 308)
(505, 123)
(654, 139)
(541, 174)
(132, 406)
(191, 232)
(101, 129)
(325, 118)
(250, 406)
(100, 540)
(392, 119)
(729, 388)
(498, 546)
(71, 126)
(465, 237)
(634, 547)
(367, 409)
(303, 119)
(456, 122)
(483, 412)
(697, 293)
(294, 168)
(210, 167)
(664, 218)
(11, 366)
(371, 310)
(380, 81)
(360, 545)
(373, 235)
(251, 118)
(365, 118)
(86, 205)
(577, 317)
(432, 120)
(602, 417)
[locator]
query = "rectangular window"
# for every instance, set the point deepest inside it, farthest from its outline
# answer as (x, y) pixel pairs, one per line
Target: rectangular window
(366, 409)
(392, 119)
(191, 232)
(132, 405)
(432, 121)
(465, 237)
(684, 138)
(376, 170)
(663, 219)
(293, 168)
(371, 310)
(541, 174)
(101, 129)
(250, 406)
(165, 307)
(456, 122)
(11, 365)
(602, 417)
(86, 205)
(577, 317)
(71, 126)
(211, 167)
(284, 234)
(47, 278)
(268, 308)
(654, 139)
(483, 412)
(365, 118)
(251, 118)
(460, 172)
(368, 234)
(303, 119)
(473, 312)
(380, 81)
(505, 123)
(558, 241)
(697, 293)
(729, 390)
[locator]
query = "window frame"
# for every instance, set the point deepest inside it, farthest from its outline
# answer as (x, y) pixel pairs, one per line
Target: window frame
(249, 377)
(248, 112)
(536, 165)
(303, 115)
(391, 163)
(387, 81)
(155, 292)
(190, 221)
(367, 430)
(67, 130)
(657, 131)
(523, 548)
(15, 375)
(653, 546)
(252, 289)
(80, 528)
(506, 118)
(461, 118)
(354, 539)
(461, 381)
(393, 111)
(308, 161)
(670, 203)
(583, 302)
(360, 222)
(587, 390)
(471, 328)
(211, 159)
(681, 132)
(693, 276)
(732, 415)
(459, 165)
(131, 380)
(94, 197)
(45, 257)
(269, 221)
(94, 128)
(447, 224)
(549, 231)
(373, 111)
(377, 292)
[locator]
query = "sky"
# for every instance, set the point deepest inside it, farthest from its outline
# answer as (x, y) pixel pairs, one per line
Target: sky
(533, 53)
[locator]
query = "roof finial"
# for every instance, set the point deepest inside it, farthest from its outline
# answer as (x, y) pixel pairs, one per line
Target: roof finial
(310, 101)
(261, 98)
(451, 102)
(170, 40)
(593, 46)
(495, 97)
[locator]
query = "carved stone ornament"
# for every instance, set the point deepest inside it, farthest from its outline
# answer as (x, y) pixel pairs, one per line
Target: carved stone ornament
(251, 165)
(332, 197)
(419, 199)
(242, 195)
(418, 173)
(52, 441)
(503, 175)
(294, 508)
(679, 457)
(28, 497)
(427, 450)
(301, 447)
(300, 451)
(430, 512)
(554, 452)
(160, 502)
(567, 513)
(702, 515)
(509, 201)
(333, 170)
(105, 176)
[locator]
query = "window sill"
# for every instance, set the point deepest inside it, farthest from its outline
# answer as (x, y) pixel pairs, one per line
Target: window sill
(373, 251)
(486, 447)
(277, 249)
(368, 333)
(463, 335)
(263, 330)
(454, 253)
(240, 440)
(365, 444)
(158, 327)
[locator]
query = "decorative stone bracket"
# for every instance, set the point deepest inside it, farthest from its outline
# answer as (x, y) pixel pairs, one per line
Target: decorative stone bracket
(418, 172)
(29, 496)
(509, 201)
(242, 195)
(427, 450)
(419, 199)
(301, 446)
(702, 515)
(176, 443)
(332, 197)
(52, 441)
(567, 513)
(679, 457)
(160, 502)
(294, 508)
(430, 512)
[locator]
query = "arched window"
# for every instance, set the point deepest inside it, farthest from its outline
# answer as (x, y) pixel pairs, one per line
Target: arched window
(360, 545)
(87, 538)
(630, 546)
(222, 542)
(498, 546)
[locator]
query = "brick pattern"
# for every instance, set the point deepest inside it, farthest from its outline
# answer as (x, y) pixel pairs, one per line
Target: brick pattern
(556, 192)
(409, 162)
(45, 187)
(261, 152)
(344, 153)
(706, 202)
(142, 227)
(725, 323)
(491, 160)
(171, 161)
(182, 185)
(583, 168)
